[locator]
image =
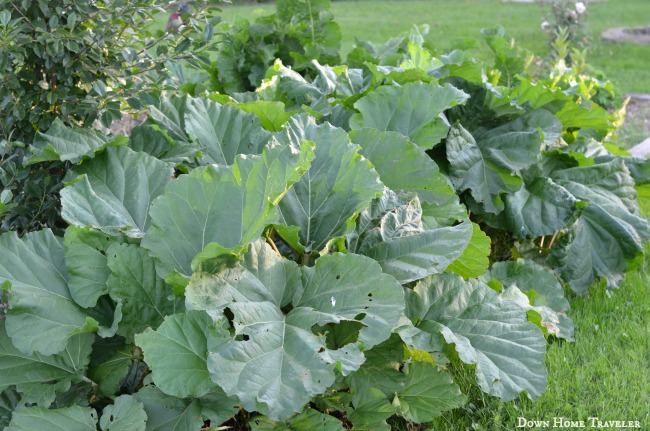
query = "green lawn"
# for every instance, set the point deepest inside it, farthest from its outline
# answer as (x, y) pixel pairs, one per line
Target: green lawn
(606, 372)
(454, 21)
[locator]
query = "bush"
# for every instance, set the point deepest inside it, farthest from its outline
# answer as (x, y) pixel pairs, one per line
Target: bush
(76, 62)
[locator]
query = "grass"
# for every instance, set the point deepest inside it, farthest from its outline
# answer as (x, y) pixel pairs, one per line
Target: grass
(605, 373)
(453, 22)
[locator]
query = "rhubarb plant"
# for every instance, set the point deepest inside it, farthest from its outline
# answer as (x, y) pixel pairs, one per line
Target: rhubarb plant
(316, 254)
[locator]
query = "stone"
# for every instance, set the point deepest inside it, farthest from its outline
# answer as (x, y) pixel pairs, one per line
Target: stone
(641, 150)
(636, 35)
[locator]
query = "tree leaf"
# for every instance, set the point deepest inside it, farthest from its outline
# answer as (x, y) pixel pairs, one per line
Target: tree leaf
(125, 414)
(41, 314)
(114, 192)
(65, 143)
(489, 331)
(65, 419)
(176, 353)
(194, 209)
(167, 413)
(402, 165)
(223, 131)
(144, 296)
(277, 354)
(415, 110)
(427, 393)
(85, 258)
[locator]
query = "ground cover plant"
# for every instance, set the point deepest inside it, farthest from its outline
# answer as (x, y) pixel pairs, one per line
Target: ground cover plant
(321, 252)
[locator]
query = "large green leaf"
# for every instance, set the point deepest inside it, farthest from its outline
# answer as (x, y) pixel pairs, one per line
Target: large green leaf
(41, 314)
(170, 116)
(414, 110)
(177, 351)
(371, 409)
(134, 283)
(223, 131)
(65, 143)
(488, 331)
(148, 139)
(426, 393)
(278, 356)
(381, 368)
(75, 418)
(475, 258)
(9, 399)
(339, 184)
(85, 258)
(306, 420)
(125, 414)
(109, 364)
(541, 207)
(609, 231)
(490, 166)
(271, 114)
(114, 192)
(391, 232)
(229, 206)
(167, 413)
(543, 290)
(17, 368)
(402, 165)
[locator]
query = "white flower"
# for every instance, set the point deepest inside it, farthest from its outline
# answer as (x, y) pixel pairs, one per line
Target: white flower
(545, 25)
(580, 7)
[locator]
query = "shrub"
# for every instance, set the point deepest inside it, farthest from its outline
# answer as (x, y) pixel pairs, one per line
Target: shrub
(76, 62)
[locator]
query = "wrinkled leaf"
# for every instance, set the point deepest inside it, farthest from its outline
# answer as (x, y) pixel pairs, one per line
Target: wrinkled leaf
(194, 209)
(223, 131)
(414, 110)
(65, 419)
(114, 192)
(427, 393)
(338, 184)
(488, 331)
(279, 357)
(41, 314)
(167, 413)
(402, 165)
(176, 354)
(65, 143)
(144, 296)
(85, 258)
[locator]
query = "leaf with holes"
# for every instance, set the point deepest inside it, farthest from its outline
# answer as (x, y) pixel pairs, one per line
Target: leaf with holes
(283, 362)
